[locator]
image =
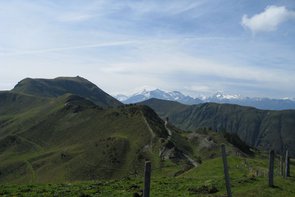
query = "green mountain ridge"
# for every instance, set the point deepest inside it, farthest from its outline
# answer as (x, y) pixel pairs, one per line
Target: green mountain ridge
(74, 140)
(48, 134)
(262, 129)
(52, 88)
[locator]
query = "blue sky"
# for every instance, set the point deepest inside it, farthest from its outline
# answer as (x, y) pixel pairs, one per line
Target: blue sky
(241, 47)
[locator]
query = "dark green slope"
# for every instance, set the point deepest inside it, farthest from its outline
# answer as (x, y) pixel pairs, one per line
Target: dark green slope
(69, 138)
(11, 103)
(52, 88)
(54, 131)
(49, 134)
(258, 128)
(164, 108)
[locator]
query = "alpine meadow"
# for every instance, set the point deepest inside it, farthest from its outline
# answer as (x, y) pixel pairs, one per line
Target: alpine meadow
(147, 98)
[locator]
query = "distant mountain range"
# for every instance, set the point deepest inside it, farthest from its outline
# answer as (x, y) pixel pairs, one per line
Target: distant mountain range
(159, 94)
(219, 97)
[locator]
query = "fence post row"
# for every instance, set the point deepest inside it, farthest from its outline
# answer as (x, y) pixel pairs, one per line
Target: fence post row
(225, 169)
(286, 173)
(147, 179)
(271, 168)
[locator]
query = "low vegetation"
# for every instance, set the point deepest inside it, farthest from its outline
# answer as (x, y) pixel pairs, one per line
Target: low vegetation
(248, 178)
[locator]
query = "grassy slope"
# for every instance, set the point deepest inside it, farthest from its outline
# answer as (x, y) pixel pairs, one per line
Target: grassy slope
(196, 182)
(70, 138)
(66, 143)
(164, 108)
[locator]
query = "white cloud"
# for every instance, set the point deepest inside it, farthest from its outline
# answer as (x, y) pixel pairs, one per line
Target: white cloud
(75, 17)
(174, 7)
(70, 48)
(167, 68)
(269, 20)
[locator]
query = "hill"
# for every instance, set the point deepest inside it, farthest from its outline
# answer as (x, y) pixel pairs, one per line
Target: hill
(52, 88)
(263, 129)
(45, 137)
(70, 138)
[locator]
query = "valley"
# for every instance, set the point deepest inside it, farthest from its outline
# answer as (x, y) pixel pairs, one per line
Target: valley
(262, 129)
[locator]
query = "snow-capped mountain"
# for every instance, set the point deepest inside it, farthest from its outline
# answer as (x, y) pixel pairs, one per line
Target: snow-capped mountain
(222, 96)
(159, 94)
(257, 102)
(219, 97)
(121, 97)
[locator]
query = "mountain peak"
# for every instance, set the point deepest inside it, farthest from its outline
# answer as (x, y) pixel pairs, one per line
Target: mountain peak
(77, 78)
(159, 94)
(59, 86)
(222, 95)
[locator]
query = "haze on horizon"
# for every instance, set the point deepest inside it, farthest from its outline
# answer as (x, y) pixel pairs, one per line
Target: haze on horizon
(197, 47)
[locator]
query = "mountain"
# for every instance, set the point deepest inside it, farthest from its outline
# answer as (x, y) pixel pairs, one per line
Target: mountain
(57, 143)
(121, 97)
(53, 88)
(159, 94)
(219, 97)
(263, 129)
(259, 103)
(49, 132)
(70, 138)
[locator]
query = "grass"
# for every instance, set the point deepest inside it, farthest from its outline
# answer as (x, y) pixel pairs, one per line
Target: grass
(205, 180)
(68, 139)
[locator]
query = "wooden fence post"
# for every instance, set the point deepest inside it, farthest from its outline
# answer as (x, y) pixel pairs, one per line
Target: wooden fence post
(282, 165)
(287, 163)
(147, 179)
(270, 168)
(225, 169)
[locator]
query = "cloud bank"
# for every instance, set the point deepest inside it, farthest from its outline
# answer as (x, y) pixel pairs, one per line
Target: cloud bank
(269, 20)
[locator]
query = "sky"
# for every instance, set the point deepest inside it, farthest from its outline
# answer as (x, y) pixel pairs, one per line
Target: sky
(244, 47)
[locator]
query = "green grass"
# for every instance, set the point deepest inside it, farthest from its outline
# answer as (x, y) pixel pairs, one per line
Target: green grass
(196, 182)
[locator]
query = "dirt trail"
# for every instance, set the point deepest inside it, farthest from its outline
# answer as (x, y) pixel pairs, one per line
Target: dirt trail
(193, 162)
(169, 131)
(196, 164)
(30, 167)
(153, 135)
